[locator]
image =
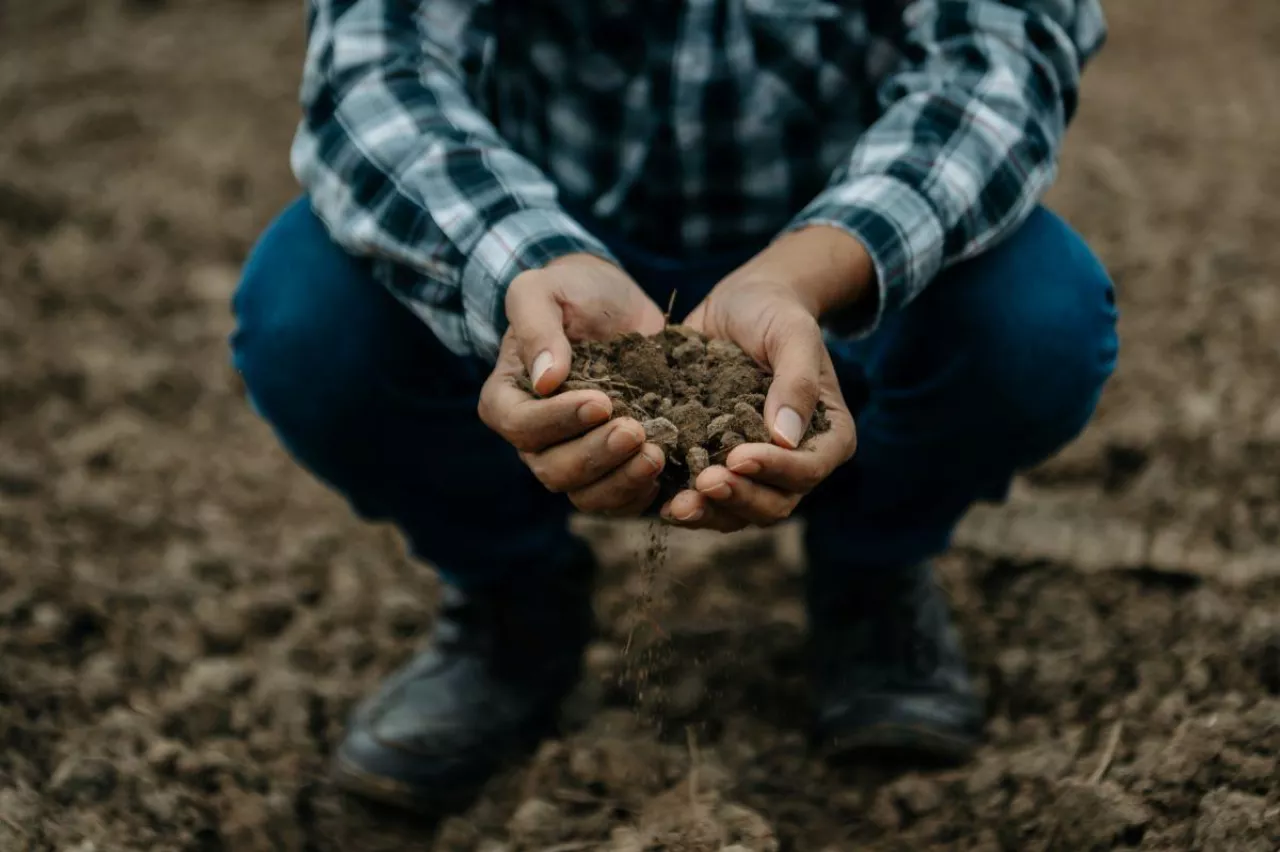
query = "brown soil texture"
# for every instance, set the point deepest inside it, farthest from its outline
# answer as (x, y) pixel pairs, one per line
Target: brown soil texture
(696, 398)
(185, 617)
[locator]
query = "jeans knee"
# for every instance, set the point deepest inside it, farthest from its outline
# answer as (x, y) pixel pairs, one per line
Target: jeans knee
(328, 355)
(1046, 341)
(295, 338)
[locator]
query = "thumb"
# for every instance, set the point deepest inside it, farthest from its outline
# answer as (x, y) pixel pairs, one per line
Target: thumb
(795, 350)
(697, 318)
(537, 324)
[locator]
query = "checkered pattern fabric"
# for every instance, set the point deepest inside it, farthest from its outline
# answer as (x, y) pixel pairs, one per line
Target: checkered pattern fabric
(445, 138)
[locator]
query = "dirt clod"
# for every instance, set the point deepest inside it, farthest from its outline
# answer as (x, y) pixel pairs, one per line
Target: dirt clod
(84, 779)
(661, 431)
(1097, 816)
(1231, 821)
(535, 822)
(690, 394)
(698, 460)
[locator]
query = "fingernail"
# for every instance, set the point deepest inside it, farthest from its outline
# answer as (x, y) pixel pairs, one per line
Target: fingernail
(719, 491)
(623, 439)
(692, 516)
(647, 469)
(653, 457)
(746, 467)
(591, 412)
(788, 426)
(545, 361)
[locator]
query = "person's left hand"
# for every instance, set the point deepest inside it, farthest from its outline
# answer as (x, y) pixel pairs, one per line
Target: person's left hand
(775, 321)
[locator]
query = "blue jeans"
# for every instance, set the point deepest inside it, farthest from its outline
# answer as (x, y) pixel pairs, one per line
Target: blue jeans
(998, 364)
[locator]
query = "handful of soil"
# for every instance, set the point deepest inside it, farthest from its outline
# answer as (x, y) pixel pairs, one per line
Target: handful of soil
(697, 398)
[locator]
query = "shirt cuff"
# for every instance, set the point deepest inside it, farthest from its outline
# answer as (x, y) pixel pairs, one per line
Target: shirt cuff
(900, 230)
(524, 240)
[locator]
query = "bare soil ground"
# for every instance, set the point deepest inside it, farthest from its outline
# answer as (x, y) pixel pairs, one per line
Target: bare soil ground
(185, 617)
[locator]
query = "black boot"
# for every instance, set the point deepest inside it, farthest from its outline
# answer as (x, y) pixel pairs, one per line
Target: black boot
(888, 671)
(485, 691)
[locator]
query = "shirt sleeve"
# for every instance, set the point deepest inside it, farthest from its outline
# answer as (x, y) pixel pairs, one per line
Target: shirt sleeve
(402, 167)
(968, 139)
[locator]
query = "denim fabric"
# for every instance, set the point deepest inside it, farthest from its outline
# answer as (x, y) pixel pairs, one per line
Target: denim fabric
(995, 366)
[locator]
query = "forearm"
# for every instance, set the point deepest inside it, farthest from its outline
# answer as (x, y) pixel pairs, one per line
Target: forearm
(828, 269)
(402, 167)
(968, 142)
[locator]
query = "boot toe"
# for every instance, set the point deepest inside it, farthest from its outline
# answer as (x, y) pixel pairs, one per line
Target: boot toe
(941, 726)
(375, 768)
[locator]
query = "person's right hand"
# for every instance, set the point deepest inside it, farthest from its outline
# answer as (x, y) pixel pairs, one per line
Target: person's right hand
(567, 440)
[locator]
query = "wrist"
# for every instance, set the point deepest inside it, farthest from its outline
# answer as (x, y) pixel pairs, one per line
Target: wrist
(571, 260)
(582, 259)
(827, 268)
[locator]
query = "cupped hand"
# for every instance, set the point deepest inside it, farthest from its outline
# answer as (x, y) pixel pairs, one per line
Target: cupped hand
(567, 440)
(760, 484)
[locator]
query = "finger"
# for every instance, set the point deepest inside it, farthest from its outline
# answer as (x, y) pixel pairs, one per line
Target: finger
(537, 324)
(753, 501)
(691, 510)
(576, 464)
(697, 317)
(687, 507)
(719, 520)
(531, 424)
(795, 471)
(638, 507)
(796, 353)
(652, 319)
(632, 485)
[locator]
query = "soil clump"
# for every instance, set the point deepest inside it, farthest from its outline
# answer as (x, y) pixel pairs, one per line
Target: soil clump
(697, 398)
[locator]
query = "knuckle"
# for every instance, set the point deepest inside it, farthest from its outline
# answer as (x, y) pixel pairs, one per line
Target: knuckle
(548, 475)
(507, 423)
(796, 324)
(623, 505)
(641, 492)
(806, 386)
(779, 513)
(643, 495)
(521, 288)
(484, 408)
(517, 434)
(618, 492)
(611, 500)
(588, 464)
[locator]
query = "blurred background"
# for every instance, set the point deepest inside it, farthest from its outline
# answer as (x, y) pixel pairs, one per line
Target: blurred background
(185, 617)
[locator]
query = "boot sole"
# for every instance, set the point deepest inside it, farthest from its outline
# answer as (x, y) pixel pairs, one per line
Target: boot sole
(441, 796)
(900, 741)
(355, 781)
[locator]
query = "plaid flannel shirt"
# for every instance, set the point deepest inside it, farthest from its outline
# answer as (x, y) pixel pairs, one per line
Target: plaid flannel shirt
(440, 137)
